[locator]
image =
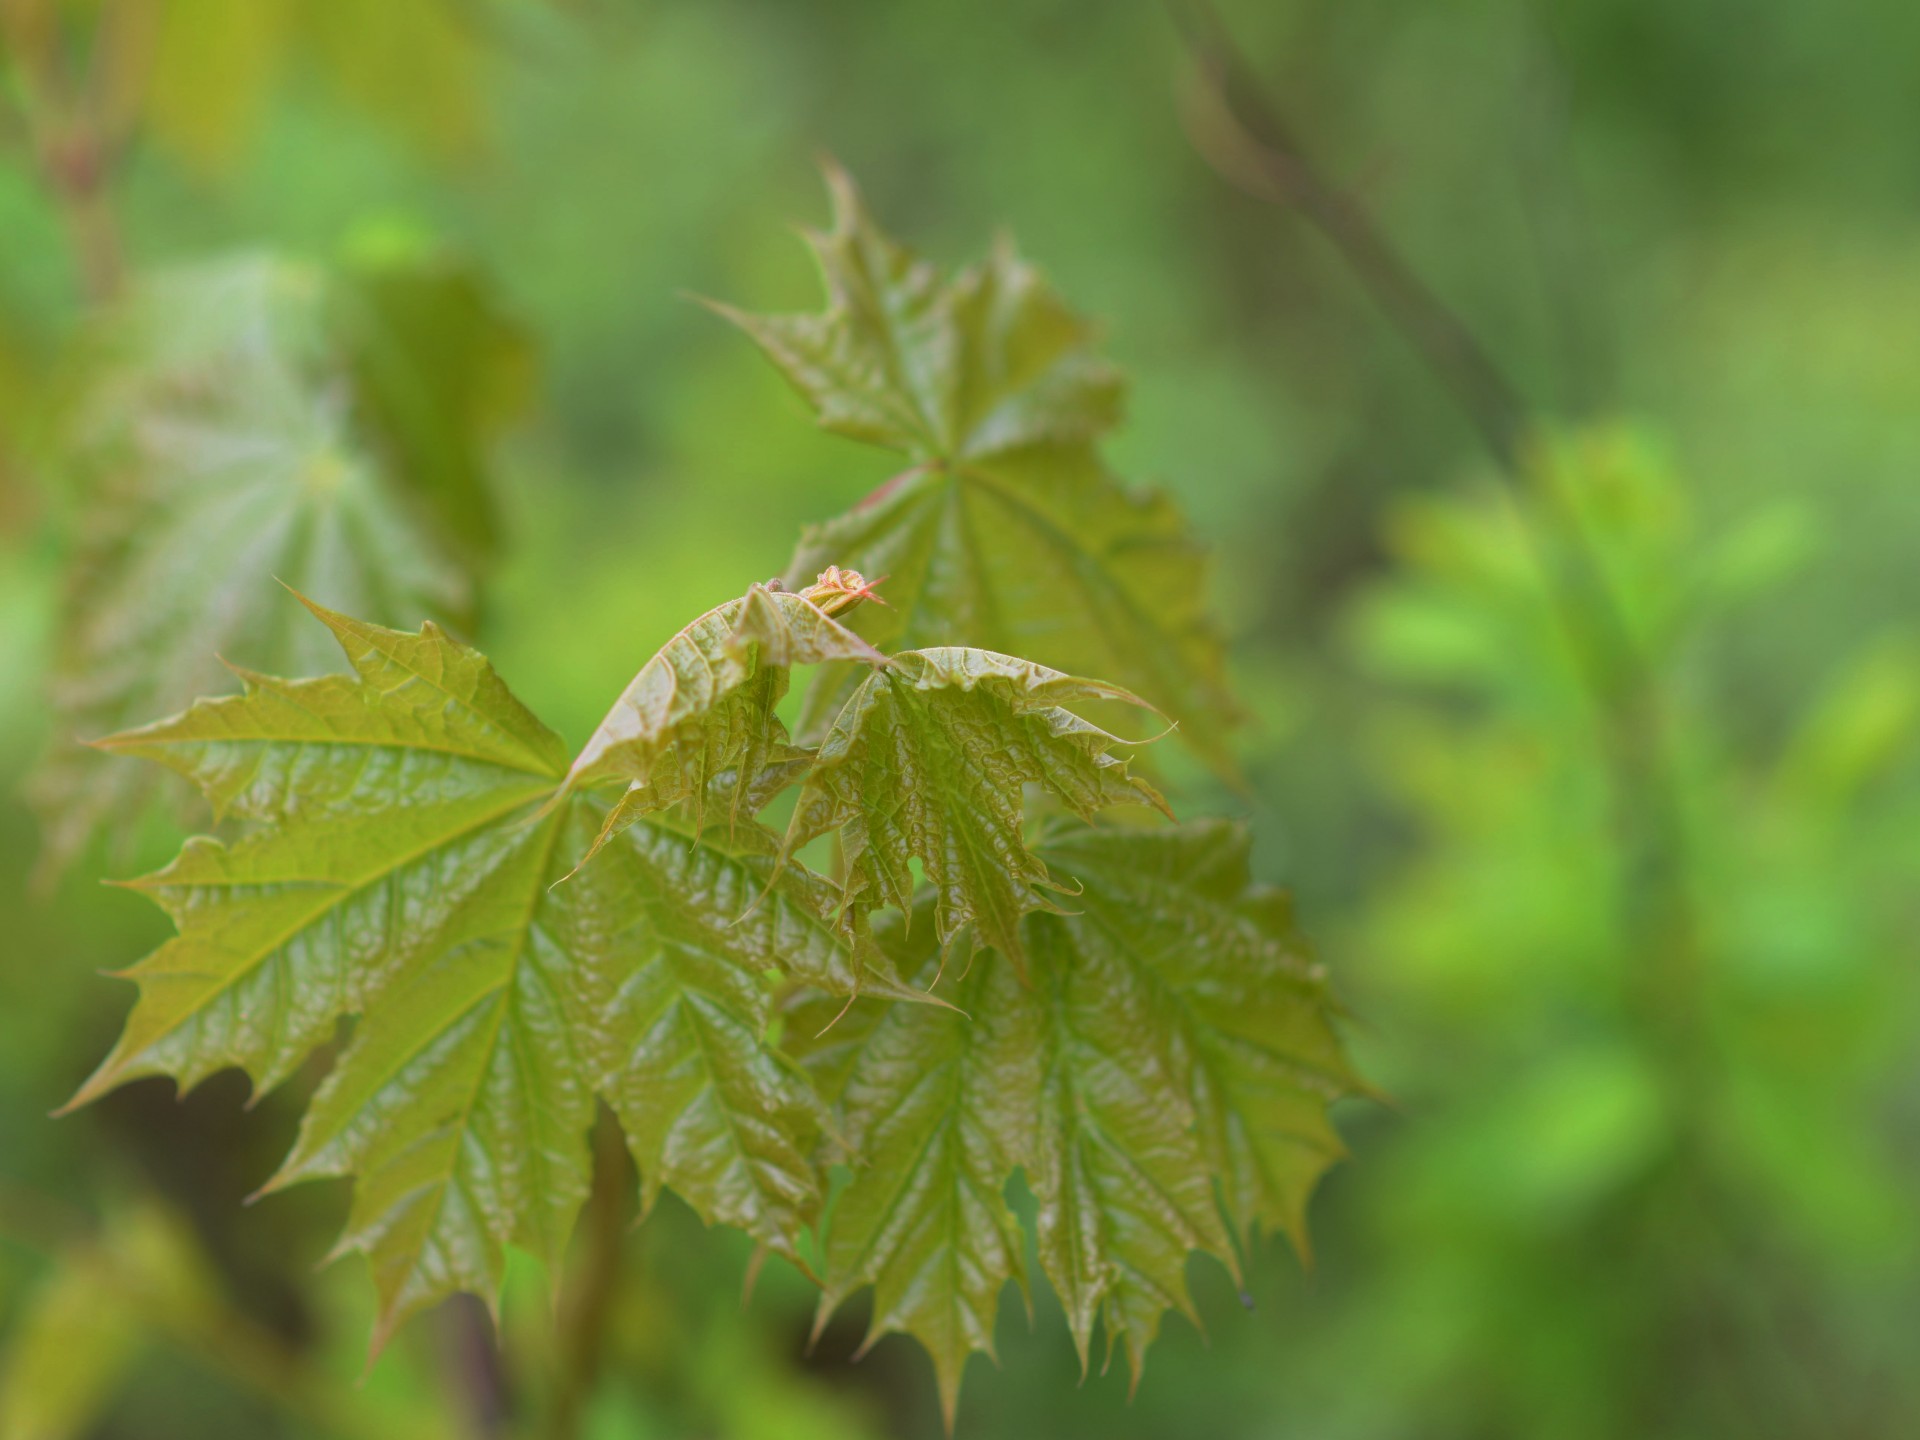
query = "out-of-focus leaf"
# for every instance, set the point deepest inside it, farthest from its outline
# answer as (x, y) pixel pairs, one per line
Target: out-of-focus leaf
(1163, 1071)
(214, 66)
(438, 372)
(68, 1353)
(1867, 718)
(1759, 553)
(409, 824)
(929, 761)
(1006, 530)
(108, 1296)
(217, 63)
(215, 450)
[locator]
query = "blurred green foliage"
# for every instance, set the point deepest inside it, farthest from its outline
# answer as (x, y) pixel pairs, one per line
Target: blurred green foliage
(1650, 1166)
(323, 429)
(1695, 1083)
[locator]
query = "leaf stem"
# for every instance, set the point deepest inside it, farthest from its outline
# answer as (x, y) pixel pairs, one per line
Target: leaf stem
(585, 1319)
(1241, 133)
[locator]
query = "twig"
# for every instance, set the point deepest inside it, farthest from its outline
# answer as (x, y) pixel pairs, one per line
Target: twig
(584, 1323)
(473, 1366)
(1242, 134)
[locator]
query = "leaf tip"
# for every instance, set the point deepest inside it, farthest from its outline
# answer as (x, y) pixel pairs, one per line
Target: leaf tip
(84, 1096)
(822, 1314)
(841, 187)
(1153, 797)
(110, 1073)
(732, 314)
(755, 1263)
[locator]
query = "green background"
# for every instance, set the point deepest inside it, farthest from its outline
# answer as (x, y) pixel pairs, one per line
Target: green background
(1608, 1198)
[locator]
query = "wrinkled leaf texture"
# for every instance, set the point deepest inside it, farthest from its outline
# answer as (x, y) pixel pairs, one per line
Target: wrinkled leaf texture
(513, 935)
(400, 864)
(930, 760)
(1006, 530)
(1162, 1077)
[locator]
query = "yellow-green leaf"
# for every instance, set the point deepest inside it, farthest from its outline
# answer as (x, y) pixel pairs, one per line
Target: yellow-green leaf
(929, 761)
(1006, 530)
(1161, 1075)
(406, 827)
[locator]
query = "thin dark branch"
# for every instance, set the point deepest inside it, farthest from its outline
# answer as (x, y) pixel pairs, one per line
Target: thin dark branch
(475, 1371)
(586, 1315)
(1242, 134)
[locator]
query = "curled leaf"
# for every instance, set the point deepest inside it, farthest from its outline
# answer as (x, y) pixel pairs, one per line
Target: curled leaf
(704, 705)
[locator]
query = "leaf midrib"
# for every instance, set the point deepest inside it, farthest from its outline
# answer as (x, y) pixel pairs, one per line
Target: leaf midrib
(341, 892)
(503, 992)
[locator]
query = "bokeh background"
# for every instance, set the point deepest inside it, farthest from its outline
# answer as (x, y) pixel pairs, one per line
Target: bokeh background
(1650, 1166)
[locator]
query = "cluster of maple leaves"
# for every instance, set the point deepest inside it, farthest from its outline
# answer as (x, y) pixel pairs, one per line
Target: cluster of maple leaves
(1113, 1009)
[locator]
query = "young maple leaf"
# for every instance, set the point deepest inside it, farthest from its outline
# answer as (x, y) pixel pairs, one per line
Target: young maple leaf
(930, 759)
(407, 825)
(1162, 1075)
(1007, 530)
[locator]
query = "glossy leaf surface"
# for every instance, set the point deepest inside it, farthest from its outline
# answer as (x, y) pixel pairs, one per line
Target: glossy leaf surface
(704, 704)
(400, 868)
(930, 760)
(1162, 1077)
(1006, 530)
(931, 1113)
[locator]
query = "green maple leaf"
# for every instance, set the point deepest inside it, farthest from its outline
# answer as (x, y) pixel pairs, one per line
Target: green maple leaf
(930, 1107)
(406, 827)
(222, 441)
(408, 855)
(1007, 530)
(1161, 1076)
(929, 761)
(703, 706)
(1241, 1009)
